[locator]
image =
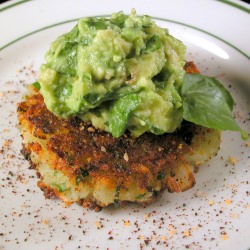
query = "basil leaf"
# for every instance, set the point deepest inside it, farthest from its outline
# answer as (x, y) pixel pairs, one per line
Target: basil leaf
(84, 172)
(161, 175)
(99, 24)
(150, 126)
(79, 178)
(140, 196)
(60, 187)
(154, 43)
(92, 98)
(206, 102)
(120, 112)
(36, 85)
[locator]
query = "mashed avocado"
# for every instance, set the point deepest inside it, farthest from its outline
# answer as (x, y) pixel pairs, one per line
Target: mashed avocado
(123, 72)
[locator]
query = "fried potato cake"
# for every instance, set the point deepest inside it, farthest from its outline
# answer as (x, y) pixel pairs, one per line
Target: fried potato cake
(79, 163)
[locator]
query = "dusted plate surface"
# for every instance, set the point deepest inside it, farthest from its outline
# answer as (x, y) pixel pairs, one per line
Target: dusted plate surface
(215, 214)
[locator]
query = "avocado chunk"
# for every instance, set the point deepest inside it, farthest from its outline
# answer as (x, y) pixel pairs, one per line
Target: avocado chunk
(121, 73)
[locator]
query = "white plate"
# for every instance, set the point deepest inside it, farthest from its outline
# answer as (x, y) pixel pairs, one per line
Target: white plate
(215, 214)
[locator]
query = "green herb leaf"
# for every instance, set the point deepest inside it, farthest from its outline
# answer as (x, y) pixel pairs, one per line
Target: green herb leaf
(36, 85)
(154, 43)
(84, 172)
(116, 199)
(140, 196)
(161, 176)
(150, 126)
(97, 24)
(206, 102)
(118, 19)
(92, 98)
(120, 112)
(81, 177)
(78, 179)
(60, 187)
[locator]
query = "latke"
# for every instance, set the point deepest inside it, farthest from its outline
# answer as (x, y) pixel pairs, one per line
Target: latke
(79, 163)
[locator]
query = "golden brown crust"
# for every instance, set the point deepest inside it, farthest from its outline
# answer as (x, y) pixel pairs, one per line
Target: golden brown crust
(78, 145)
(148, 164)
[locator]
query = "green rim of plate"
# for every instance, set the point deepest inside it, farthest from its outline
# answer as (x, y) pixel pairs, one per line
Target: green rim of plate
(235, 5)
(13, 5)
(37, 31)
(156, 18)
(232, 4)
(205, 32)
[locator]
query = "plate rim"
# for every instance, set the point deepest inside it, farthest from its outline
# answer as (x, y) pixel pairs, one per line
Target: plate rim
(243, 7)
(239, 5)
(155, 18)
(117, 242)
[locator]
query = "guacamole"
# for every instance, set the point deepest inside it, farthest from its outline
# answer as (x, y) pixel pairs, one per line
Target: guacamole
(121, 73)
